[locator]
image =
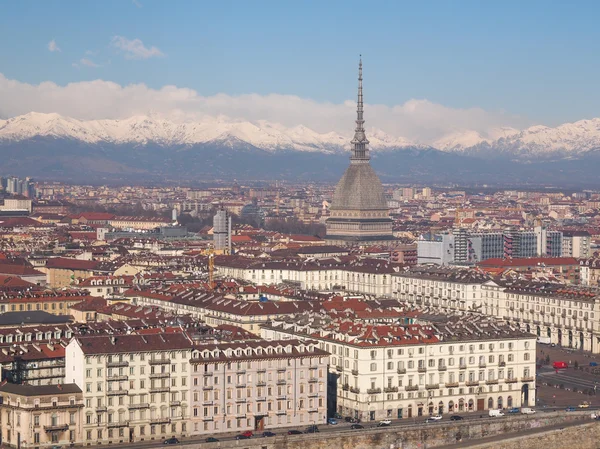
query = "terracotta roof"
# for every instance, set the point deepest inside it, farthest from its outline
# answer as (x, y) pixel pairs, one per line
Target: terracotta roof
(71, 264)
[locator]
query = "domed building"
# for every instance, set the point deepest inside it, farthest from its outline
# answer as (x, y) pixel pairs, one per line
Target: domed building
(359, 214)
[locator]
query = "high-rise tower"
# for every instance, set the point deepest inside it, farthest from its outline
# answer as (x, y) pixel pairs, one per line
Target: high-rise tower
(359, 212)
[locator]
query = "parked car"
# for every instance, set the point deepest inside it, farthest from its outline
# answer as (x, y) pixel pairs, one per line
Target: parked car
(435, 417)
(268, 434)
(332, 421)
(584, 404)
(456, 418)
(356, 427)
(513, 410)
(495, 413)
(351, 419)
(212, 440)
(312, 429)
(527, 411)
(294, 432)
(570, 409)
(171, 440)
(384, 423)
(244, 435)
(337, 416)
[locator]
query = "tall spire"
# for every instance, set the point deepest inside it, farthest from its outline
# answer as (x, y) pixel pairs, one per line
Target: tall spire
(360, 144)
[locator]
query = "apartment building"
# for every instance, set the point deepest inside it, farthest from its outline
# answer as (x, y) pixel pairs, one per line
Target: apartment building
(257, 386)
(40, 416)
(135, 387)
(392, 371)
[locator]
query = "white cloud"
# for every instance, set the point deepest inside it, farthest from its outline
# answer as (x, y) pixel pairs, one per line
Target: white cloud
(134, 49)
(417, 120)
(136, 3)
(88, 62)
(52, 46)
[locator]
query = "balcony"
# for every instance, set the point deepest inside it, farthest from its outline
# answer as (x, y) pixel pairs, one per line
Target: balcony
(451, 385)
(139, 406)
(164, 420)
(175, 403)
(432, 386)
(240, 400)
(206, 403)
(261, 383)
(512, 380)
(527, 379)
(240, 386)
(355, 372)
(159, 361)
(160, 389)
(117, 364)
(207, 418)
(422, 369)
(313, 380)
(117, 378)
(462, 366)
(163, 375)
(491, 381)
(411, 388)
(261, 370)
(338, 368)
(442, 368)
(261, 399)
(472, 383)
(101, 409)
(116, 393)
(241, 372)
(280, 413)
(207, 373)
(313, 410)
(501, 363)
(57, 428)
(390, 389)
(240, 415)
(281, 370)
(401, 371)
(281, 382)
(281, 397)
(117, 424)
(374, 391)
(354, 390)
(345, 387)
(207, 387)
(482, 365)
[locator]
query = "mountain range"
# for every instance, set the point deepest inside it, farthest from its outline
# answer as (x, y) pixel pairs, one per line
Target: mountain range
(150, 148)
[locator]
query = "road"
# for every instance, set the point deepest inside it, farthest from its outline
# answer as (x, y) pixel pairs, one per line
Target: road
(325, 429)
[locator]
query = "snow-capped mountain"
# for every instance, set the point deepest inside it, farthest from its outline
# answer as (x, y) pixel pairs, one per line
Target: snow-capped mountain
(148, 129)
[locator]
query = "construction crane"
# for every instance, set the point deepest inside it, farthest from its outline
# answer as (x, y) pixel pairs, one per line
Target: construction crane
(211, 268)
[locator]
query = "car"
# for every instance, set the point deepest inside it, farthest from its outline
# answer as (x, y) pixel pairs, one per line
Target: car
(527, 411)
(332, 421)
(337, 416)
(356, 427)
(584, 404)
(435, 417)
(384, 423)
(570, 409)
(456, 418)
(294, 432)
(514, 410)
(351, 419)
(312, 429)
(268, 434)
(171, 440)
(242, 437)
(211, 440)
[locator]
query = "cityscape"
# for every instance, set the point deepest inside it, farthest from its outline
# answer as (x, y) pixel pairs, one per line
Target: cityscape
(206, 271)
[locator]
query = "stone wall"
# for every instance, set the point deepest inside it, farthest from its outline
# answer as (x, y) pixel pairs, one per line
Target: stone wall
(418, 436)
(586, 436)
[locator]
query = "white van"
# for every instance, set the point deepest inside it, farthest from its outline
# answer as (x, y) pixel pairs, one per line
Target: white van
(527, 411)
(496, 413)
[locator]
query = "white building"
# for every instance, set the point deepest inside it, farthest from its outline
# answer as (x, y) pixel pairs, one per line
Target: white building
(388, 371)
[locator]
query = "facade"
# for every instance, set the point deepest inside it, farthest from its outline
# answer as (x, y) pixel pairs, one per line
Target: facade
(222, 231)
(257, 386)
(390, 371)
(40, 416)
(576, 244)
(359, 211)
(135, 387)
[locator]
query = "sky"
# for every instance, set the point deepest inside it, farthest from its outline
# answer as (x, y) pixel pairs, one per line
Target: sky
(431, 67)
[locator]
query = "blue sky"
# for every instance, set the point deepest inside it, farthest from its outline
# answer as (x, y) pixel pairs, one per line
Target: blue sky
(533, 60)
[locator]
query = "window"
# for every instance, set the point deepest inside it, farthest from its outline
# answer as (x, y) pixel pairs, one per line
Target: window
(373, 366)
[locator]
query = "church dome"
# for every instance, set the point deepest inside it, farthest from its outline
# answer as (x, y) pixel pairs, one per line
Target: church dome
(359, 189)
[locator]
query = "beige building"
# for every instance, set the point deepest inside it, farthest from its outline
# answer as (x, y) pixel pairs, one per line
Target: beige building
(257, 386)
(40, 416)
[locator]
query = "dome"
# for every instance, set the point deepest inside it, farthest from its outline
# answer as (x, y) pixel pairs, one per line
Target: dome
(359, 189)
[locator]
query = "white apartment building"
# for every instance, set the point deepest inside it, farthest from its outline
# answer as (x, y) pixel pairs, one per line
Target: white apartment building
(257, 386)
(404, 371)
(135, 387)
